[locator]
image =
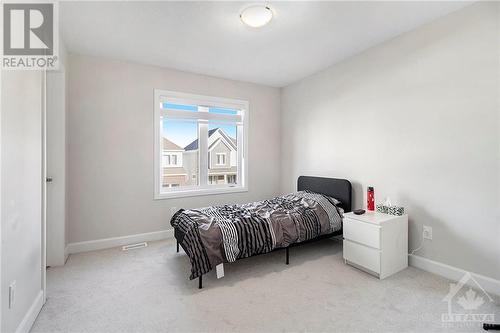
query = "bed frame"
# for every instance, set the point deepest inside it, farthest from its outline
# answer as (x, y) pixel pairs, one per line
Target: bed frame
(339, 189)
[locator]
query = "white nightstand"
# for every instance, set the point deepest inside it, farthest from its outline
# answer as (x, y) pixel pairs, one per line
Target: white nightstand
(376, 242)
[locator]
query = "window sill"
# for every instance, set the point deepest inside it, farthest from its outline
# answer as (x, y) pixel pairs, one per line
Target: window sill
(198, 192)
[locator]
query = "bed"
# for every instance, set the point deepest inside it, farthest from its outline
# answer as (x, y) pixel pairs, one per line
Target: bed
(222, 234)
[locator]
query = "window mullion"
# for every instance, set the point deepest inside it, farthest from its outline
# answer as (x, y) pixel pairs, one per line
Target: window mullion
(204, 115)
(240, 150)
(203, 148)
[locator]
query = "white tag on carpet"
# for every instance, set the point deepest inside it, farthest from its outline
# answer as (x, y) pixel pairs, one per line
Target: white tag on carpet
(220, 270)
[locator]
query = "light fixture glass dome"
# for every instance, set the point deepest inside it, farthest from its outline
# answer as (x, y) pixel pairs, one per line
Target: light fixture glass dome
(256, 16)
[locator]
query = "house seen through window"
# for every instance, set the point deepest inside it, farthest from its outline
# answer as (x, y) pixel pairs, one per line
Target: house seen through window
(200, 144)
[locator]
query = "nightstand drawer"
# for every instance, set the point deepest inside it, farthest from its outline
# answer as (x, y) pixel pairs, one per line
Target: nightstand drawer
(362, 255)
(361, 232)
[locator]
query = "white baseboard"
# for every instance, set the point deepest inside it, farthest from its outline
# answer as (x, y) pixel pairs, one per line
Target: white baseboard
(107, 243)
(30, 316)
(454, 273)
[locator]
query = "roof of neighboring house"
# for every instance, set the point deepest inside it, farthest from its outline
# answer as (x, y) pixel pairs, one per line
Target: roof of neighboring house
(169, 145)
(194, 145)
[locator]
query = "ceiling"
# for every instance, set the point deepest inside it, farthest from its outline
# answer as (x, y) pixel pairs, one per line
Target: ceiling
(209, 38)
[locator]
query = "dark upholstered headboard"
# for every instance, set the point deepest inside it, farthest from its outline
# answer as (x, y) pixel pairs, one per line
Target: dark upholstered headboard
(339, 189)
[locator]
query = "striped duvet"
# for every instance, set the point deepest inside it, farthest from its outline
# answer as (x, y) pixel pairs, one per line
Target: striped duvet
(220, 234)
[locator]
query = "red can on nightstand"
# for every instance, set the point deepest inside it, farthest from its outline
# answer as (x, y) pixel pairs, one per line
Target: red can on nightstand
(370, 198)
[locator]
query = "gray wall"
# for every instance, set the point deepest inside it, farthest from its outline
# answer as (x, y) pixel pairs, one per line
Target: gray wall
(110, 145)
(418, 118)
(21, 193)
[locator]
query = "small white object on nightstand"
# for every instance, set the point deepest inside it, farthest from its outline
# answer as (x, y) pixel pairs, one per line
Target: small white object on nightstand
(376, 243)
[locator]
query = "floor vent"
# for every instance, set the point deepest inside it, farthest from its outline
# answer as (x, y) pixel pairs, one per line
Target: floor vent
(134, 246)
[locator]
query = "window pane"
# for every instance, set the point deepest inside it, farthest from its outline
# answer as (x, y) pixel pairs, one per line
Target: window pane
(193, 108)
(179, 153)
(223, 111)
(222, 154)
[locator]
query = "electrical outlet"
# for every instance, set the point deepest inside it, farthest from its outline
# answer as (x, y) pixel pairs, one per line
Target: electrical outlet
(427, 232)
(12, 294)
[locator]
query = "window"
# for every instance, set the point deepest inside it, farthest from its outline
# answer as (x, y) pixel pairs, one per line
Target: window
(171, 159)
(200, 145)
(231, 179)
(221, 158)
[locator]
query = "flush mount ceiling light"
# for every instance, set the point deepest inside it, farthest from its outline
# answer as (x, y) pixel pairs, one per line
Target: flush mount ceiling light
(256, 16)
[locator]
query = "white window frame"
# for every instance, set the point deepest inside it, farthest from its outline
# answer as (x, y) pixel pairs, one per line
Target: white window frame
(161, 96)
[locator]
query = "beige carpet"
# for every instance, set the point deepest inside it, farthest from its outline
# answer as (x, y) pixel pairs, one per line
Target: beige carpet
(147, 290)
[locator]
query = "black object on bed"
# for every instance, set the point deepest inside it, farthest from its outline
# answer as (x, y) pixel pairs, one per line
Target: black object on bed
(221, 234)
